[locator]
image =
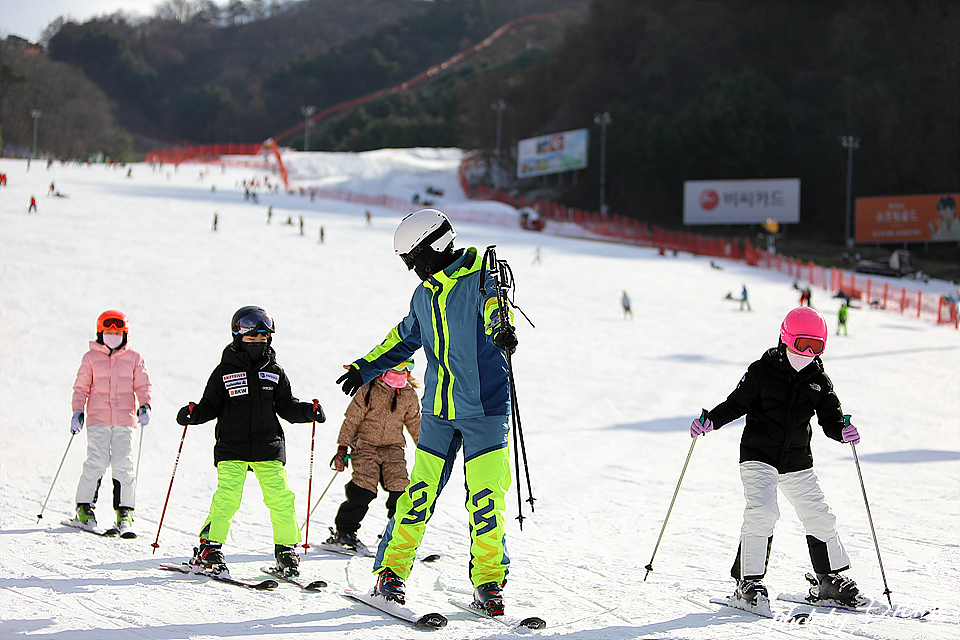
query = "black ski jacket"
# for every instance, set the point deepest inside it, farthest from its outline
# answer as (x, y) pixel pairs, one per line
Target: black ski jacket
(779, 403)
(246, 399)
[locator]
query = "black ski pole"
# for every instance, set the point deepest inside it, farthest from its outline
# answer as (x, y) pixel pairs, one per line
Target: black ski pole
(649, 567)
(873, 532)
(56, 475)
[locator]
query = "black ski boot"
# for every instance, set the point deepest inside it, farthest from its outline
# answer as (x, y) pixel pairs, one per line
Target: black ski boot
(750, 590)
(288, 562)
(489, 598)
(837, 587)
(209, 556)
(390, 587)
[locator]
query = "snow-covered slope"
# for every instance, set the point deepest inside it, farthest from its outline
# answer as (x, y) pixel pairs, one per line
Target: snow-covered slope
(606, 403)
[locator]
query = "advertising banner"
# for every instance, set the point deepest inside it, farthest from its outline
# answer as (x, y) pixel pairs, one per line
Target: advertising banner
(922, 218)
(741, 201)
(564, 151)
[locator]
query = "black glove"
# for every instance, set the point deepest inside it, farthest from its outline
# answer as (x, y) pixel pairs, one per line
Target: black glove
(315, 412)
(506, 340)
(351, 380)
(185, 415)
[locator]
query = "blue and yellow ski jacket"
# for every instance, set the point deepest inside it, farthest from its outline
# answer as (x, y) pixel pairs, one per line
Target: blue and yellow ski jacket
(454, 322)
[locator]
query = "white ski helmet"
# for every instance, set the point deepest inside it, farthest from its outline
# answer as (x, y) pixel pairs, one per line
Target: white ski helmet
(422, 230)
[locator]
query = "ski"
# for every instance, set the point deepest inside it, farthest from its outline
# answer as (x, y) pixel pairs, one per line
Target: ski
(361, 550)
(867, 606)
(316, 585)
(532, 622)
(430, 621)
(763, 610)
(76, 524)
(114, 532)
(265, 585)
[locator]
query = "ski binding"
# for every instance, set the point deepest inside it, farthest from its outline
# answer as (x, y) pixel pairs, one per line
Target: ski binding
(316, 585)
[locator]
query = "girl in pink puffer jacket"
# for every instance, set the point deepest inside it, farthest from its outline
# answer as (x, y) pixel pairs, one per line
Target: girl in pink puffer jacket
(111, 384)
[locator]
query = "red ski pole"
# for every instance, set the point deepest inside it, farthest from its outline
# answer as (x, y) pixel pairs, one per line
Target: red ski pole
(156, 543)
(313, 433)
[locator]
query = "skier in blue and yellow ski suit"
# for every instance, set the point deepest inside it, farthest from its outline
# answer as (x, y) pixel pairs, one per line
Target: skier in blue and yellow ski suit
(466, 403)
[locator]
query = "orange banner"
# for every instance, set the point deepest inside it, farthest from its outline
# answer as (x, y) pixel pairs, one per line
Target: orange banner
(924, 218)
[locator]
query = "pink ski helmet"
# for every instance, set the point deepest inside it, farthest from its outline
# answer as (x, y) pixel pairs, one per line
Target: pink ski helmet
(805, 331)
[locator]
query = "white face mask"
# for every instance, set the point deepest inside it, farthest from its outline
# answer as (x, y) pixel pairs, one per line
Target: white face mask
(112, 341)
(798, 361)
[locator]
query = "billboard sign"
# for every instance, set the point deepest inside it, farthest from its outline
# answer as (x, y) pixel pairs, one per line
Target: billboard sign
(923, 218)
(557, 152)
(741, 201)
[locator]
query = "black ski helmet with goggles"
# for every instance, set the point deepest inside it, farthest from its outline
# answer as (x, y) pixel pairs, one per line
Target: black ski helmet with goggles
(251, 319)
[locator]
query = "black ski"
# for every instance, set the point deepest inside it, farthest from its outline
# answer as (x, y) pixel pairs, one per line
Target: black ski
(431, 621)
(316, 585)
(532, 622)
(190, 569)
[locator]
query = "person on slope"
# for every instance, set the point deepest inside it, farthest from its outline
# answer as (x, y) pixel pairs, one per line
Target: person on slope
(112, 396)
(372, 429)
(466, 403)
(779, 394)
(245, 393)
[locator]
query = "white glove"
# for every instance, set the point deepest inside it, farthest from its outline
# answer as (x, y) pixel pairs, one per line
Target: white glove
(143, 415)
(77, 423)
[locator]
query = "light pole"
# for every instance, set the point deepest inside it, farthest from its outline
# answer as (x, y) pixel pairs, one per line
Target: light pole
(36, 113)
(850, 143)
(603, 120)
(498, 106)
(307, 112)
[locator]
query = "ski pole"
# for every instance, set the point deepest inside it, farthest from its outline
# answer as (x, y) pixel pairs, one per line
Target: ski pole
(863, 488)
(136, 474)
(56, 475)
(156, 543)
(313, 433)
(319, 499)
(649, 567)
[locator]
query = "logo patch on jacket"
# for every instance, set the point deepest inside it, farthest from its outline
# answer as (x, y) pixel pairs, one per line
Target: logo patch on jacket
(264, 375)
(815, 386)
(242, 375)
(239, 391)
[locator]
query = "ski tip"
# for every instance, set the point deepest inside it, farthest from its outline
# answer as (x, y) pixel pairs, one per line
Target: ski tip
(316, 585)
(266, 585)
(433, 557)
(533, 622)
(432, 621)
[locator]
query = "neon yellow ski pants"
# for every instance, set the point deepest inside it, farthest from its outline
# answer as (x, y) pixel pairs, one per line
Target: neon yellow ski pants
(277, 495)
(487, 474)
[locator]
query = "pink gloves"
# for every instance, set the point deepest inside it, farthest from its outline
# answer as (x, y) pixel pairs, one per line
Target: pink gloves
(850, 434)
(701, 425)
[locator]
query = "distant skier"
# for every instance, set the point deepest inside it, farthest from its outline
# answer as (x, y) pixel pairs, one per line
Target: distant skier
(111, 395)
(373, 431)
(214, 225)
(269, 214)
(744, 299)
(33, 205)
(301, 225)
(245, 393)
(455, 317)
(625, 303)
(779, 394)
(842, 318)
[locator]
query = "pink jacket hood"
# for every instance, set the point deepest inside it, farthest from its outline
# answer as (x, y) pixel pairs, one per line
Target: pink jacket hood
(111, 387)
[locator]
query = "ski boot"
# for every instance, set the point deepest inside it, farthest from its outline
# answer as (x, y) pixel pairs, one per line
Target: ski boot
(835, 586)
(288, 562)
(751, 591)
(125, 523)
(390, 587)
(489, 598)
(85, 515)
(209, 557)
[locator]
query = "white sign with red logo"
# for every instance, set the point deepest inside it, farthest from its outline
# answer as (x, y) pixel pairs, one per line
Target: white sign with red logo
(741, 201)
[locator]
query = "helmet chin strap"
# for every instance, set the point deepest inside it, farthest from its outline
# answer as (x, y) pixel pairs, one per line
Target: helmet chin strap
(429, 261)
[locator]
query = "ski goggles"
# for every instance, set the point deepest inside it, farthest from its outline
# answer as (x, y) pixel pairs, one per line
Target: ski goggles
(803, 344)
(410, 258)
(255, 321)
(114, 324)
(403, 366)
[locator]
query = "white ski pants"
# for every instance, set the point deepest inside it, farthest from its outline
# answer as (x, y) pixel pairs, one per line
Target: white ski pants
(802, 489)
(113, 447)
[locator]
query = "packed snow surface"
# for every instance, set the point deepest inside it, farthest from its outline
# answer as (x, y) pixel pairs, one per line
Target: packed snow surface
(606, 404)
